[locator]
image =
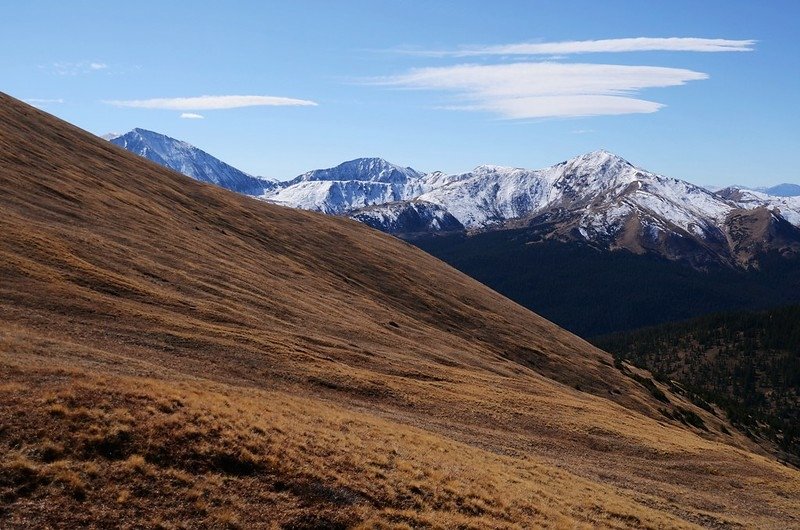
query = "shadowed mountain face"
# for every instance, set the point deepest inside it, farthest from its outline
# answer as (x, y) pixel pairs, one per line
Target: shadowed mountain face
(171, 351)
(592, 292)
(412, 216)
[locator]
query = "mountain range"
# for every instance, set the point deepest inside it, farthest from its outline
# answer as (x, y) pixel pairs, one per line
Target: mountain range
(594, 227)
(598, 198)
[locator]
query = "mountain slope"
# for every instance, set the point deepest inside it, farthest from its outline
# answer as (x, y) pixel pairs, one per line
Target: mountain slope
(191, 161)
(171, 351)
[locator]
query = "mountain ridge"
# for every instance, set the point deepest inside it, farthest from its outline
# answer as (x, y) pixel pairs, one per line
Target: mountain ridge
(596, 197)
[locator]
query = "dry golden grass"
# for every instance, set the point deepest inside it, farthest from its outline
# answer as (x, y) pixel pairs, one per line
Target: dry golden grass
(174, 355)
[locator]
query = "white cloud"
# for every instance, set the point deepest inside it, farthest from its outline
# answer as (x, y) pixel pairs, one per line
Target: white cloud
(569, 106)
(75, 68)
(637, 44)
(210, 102)
(545, 89)
(40, 102)
(192, 116)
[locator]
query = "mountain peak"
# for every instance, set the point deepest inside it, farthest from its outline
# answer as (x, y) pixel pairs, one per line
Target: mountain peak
(375, 162)
(191, 161)
(145, 132)
(370, 163)
(599, 165)
(372, 169)
(599, 157)
(368, 160)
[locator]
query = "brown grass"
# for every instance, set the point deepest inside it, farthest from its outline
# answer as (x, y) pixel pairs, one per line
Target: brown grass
(174, 355)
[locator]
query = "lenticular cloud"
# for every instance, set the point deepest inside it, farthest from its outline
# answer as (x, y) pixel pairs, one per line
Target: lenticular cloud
(211, 102)
(545, 89)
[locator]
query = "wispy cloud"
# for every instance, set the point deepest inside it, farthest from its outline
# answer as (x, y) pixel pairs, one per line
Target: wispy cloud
(637, 44)
(66, 68)
(545, 89)
(210, 102)
(192, 116)
(43, 102)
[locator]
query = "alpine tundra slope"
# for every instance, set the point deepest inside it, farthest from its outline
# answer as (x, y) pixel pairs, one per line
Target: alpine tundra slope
(171, 351)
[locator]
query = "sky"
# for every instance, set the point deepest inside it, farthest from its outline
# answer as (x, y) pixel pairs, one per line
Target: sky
(703, 91)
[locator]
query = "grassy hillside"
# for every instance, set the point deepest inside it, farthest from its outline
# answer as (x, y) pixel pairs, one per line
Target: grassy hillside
(176, 355)
(592, 292)
(748, 363)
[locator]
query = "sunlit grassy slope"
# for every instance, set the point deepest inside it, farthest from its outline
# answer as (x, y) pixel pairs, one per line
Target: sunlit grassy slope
(174, 354)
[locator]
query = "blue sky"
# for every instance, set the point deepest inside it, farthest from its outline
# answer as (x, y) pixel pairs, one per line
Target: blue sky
(434, 85)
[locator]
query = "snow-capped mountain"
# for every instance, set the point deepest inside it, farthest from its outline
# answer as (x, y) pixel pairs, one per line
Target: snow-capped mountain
(600, 186)
(350, 185)
(365, 169)
(191, 161)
